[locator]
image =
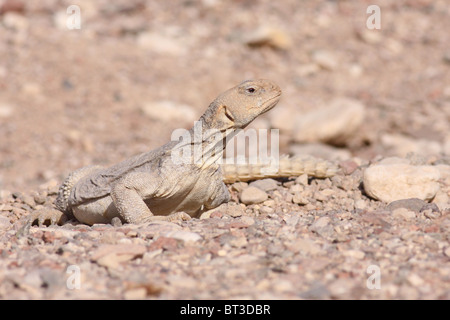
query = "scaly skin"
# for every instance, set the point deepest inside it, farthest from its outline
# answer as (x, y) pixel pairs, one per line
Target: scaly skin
(152, 186)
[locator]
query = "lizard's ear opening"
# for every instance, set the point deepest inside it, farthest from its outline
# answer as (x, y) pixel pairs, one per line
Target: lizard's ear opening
(225, 116)
(228, 114)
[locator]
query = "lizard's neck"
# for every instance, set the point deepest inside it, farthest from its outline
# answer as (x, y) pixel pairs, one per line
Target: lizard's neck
(203, 145)
(210, 142)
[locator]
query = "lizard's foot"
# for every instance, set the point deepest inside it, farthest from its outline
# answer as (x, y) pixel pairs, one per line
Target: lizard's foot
(47, 216)
(177, 216)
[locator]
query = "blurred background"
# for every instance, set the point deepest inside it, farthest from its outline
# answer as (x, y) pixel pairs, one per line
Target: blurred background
(136, 70)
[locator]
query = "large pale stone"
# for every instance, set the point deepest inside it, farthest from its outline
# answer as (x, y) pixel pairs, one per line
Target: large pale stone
(334, 123)
(394, 181)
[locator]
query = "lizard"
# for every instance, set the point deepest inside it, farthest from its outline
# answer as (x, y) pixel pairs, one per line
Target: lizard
(152, 186)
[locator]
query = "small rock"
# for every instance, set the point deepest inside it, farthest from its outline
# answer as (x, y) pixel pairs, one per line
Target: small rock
(169, 111)
(348, 166)
(412, 204)
(265, 184)
(118, 249)
(248, 220)
(185, 236)
(334, 123)
(162, 44)
(302, 180)
(252, 195)
(135, 293)
(321, 222)
(39, 198)
(299, 198)
(5, 110)
(390, 182)
(239, 186)
(356, 254)
(305, 246)
(447, 252)
(323, 228)
(401, 145)
(165, 243)
(15, 21)
(28, 200)
(4, 223)
(325, 59)
(404, 214)
(268, 36)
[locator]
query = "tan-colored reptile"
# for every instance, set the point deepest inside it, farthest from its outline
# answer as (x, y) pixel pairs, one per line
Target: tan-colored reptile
(155, 186)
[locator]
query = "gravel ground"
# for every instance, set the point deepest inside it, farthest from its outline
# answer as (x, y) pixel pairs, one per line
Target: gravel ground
(375, 102)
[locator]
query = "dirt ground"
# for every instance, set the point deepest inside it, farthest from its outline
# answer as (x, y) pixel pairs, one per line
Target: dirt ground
(137, 70)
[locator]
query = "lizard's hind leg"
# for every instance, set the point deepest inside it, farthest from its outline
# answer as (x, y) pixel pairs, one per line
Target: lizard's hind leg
(64, 212)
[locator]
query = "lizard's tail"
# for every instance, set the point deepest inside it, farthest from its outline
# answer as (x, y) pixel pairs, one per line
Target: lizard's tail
(287, 167)
(62, 201)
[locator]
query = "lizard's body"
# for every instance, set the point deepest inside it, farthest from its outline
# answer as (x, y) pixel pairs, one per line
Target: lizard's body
(152, 186)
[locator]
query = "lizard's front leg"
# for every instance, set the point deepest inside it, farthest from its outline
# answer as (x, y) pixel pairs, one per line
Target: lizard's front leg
(128, 195)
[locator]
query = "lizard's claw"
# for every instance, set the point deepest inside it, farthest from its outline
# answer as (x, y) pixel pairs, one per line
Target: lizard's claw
(47, 216)
(183, 216)
(177, 216)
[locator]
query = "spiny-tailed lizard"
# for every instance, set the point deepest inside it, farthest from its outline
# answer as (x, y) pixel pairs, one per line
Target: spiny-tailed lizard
(152, 186)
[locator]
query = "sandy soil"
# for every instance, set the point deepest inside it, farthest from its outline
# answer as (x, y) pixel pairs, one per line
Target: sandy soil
(137, 70)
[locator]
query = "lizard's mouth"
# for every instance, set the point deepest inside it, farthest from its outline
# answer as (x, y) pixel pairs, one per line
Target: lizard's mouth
(271, 103)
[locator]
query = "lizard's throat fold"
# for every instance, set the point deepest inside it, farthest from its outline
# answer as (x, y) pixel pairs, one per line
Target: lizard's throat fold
(204, 148)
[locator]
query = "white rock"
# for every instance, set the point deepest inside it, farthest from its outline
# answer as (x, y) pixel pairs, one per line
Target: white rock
(402, 145)
(268, 36)
(5, 110)
(325, 59)
(334, 123)
(169, 111)
(253, 195)
(162, 44)
(15, 21)
(185, 236)
(390, 182)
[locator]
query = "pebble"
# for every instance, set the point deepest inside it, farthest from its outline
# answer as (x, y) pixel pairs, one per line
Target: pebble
(162, 44)
(390, 182)
(305, 246)
(412, 204)
(265, 184)
(169, 111)
(185, 236)
(4, 223)
(325, 59)
(404, 213)
(299, 198)
(252, 195)
(268, 36)
(447, 252)
(5, 110)
(356, 254)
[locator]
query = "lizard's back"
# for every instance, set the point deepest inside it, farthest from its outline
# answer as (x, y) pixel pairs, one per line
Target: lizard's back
(95, 182)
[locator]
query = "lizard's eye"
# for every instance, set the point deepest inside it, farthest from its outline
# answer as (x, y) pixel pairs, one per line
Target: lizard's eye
(251, 90)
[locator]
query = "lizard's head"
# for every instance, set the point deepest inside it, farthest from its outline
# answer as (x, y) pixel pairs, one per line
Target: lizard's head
(238, 106)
